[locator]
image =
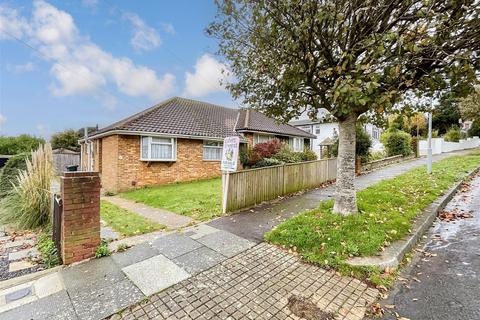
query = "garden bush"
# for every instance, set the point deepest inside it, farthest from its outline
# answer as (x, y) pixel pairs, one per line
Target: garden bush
(28, 204)
(267, 162)
(362, 144)
(286, 155)
(396, 142)
(453, 134)
(475, 129)
(308, 155)
(9, 173)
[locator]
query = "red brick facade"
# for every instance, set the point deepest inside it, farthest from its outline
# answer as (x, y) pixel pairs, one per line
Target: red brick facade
(80, 233)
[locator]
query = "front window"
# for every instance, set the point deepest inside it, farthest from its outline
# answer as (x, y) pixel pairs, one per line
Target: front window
(212, 150)
(158, 149)
(260, 138)
(317, 129)
(296, 144)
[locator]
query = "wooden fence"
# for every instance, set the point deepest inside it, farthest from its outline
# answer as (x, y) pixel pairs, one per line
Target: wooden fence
(250, 187)
(63, 158)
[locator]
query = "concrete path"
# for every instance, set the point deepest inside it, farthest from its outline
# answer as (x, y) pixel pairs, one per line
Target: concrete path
(101, 287)
(444, 279)
(252, 224)
(167, 218)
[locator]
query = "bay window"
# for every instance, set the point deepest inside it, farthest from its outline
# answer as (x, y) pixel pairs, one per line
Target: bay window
(212, 150)
(158, 149)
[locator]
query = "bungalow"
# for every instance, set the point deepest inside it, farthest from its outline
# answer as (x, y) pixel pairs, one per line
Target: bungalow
(176, 140)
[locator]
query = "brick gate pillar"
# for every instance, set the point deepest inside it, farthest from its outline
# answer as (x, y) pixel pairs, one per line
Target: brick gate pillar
(80, 231)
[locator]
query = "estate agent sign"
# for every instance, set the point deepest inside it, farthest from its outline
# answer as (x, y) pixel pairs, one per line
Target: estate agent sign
(230, 154)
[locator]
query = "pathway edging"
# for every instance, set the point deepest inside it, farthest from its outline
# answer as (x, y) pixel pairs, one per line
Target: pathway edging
(393, 255)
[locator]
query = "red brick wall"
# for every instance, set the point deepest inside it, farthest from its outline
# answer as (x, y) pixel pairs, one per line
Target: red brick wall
(122, 169)
(80, 233)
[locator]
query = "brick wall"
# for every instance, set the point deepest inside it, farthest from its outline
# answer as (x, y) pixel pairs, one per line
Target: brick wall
(123, 170)
(80, 233)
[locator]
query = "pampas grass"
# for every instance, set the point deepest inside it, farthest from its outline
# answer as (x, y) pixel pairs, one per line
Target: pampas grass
(28, 204)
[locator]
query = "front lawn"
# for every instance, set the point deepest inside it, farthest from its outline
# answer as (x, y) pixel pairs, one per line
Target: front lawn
(387, 210)
(125, 222)
(200, 199)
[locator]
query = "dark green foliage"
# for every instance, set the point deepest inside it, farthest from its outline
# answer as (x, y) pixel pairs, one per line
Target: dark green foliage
(9, 173)
(286, 155)
(308, 155)
(475, 129)
(67, 139)
(445, 115)
(396, 142)
(47, 248)
(267, 162)
(19, 144)
(362, 144)
(453, 134)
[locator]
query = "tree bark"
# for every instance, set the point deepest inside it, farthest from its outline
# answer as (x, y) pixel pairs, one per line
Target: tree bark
(345, 195)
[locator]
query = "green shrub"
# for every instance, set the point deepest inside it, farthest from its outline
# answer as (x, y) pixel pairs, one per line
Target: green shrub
(28, 204)
(286, 155)
(103, 250)
(267, 162)
(9, 173)
(377, 155)
(363, 143)
(308, 155)
(475, 129)
(19, 144)
(48, 250)
(396, 142)
(453, 134)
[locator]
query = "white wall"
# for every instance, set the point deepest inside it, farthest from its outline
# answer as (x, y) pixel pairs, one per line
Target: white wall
(439, 145)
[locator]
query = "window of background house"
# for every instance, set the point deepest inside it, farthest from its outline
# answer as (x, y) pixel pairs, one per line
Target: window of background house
(158, 149)
(212, 150)
(317, 129)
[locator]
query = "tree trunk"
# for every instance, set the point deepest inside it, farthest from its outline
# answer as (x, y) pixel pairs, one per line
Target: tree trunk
(345, 195)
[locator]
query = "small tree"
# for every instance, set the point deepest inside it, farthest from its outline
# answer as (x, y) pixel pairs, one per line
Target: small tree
(470, 106)
(67, 139)
(349, 57)
(19, 144)
(363, 143)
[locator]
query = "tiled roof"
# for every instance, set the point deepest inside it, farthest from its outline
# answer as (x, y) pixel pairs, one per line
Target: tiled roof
(251, 120)
(180, 116)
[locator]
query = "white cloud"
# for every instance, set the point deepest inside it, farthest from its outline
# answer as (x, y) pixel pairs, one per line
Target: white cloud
(3, 119)
(11, 24)
(90, 3)
(168, 28)
(21, 68)
(79, 66)
(207, 77)
(144, 37)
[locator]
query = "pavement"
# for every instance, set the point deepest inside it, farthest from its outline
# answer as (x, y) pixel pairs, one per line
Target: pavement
(161, 216)
(252, 224)
(443, 281)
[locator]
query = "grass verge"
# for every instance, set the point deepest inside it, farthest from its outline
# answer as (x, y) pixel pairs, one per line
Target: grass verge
(386, 213)
(125, 222)
(200, 199)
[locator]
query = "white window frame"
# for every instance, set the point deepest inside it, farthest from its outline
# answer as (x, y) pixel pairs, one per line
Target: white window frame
(317, 128)
(297, 144)
(306, 128)
(256, 138)
(218, 146)
(173, 143)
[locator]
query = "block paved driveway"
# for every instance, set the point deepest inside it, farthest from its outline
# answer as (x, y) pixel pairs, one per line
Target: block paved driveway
(256, 284)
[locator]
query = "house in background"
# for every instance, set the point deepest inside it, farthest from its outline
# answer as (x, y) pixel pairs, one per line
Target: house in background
(325, 128)
(176, 140)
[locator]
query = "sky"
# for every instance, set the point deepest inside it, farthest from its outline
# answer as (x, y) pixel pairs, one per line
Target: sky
(75, 63)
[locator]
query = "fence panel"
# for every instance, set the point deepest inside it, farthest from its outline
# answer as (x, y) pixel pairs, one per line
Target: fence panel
(250, 187)
(62, 160)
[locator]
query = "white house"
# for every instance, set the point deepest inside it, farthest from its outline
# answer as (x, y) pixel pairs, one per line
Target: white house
(324, 127)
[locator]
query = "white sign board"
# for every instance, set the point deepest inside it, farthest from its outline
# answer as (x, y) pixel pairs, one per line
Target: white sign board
(230, 154)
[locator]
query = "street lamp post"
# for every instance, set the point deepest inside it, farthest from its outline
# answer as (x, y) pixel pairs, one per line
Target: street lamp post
(429, 148)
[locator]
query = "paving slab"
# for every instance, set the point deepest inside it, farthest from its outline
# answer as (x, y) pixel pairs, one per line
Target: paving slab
(23, 254)
(20, 265)
(162, 216)
(53, 307)
(108, 233)
(134, 254)
(48, 285)
(199, 260)
(155, 274)
(175, 244)
(95, 302)
(19, 243)
(103, 272)
(199, 231)
(225, 243)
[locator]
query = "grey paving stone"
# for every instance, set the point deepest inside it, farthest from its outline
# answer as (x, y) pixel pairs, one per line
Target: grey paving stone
(198, 260)
(19, 294)
(134, 254)
(155, 274)
(225, 243)
(97, 302)
(102, 272)
(19, 243)
(175, 245)
(54, 307)
(199, 231)
(108, 233)
(22, 254)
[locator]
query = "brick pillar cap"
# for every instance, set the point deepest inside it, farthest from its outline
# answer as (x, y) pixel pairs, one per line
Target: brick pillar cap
(76, 174)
